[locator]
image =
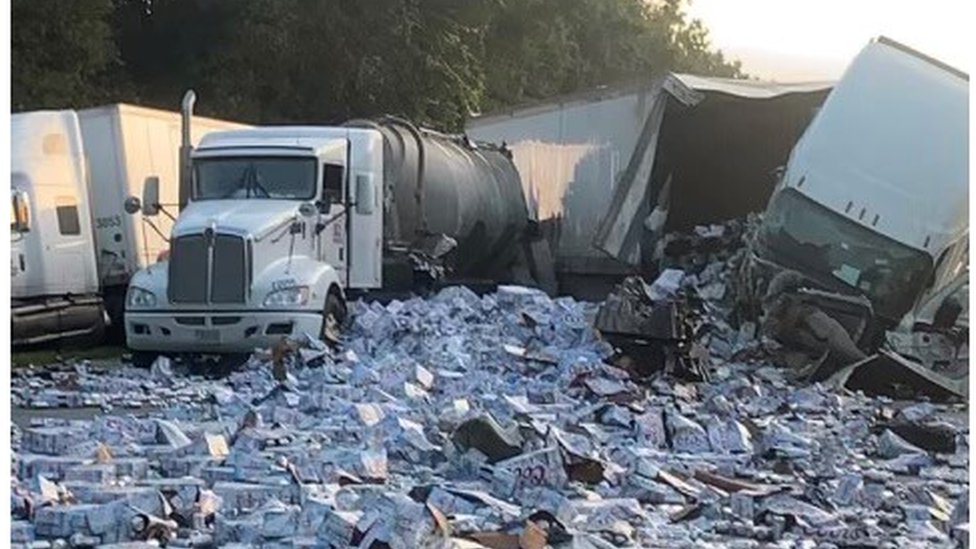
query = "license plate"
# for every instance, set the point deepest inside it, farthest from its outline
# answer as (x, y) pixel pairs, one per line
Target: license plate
(209, 336)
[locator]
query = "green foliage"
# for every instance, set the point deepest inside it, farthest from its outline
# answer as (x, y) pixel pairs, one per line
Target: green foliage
(298, 60)
(433, 61)
(59, 50)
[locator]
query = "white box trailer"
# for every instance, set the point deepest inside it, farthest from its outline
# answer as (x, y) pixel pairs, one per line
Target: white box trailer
(73, 248)
(124, 145)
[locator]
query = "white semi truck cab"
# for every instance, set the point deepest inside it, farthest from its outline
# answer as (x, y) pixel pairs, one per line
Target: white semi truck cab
(279, 223)
(260, 251)
(54, 283)
(874, 198)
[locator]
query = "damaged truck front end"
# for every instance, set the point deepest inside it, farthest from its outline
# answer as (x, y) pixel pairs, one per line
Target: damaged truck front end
(907, 313)
(926, 354)
(868, 225)
(842, 255)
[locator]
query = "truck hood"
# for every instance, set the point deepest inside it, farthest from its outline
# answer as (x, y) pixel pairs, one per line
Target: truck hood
(251, 216)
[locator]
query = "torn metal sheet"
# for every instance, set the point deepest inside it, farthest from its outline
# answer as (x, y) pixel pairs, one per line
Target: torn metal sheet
(937, 352)
(649, 324)
(887, 373)
(753, 89)
(631, 311)
(618, 233)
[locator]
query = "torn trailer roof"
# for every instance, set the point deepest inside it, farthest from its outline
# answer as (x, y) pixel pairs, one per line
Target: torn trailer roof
(593, 164)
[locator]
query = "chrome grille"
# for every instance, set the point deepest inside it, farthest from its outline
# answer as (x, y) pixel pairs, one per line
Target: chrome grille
(188, 270)
(229, 270)
(208, 272)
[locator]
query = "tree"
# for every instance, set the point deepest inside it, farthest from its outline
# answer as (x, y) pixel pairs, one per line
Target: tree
(330, 60)
(693, 52)
(431, 61)
(539, 48)
(168, 46)
(60, 52)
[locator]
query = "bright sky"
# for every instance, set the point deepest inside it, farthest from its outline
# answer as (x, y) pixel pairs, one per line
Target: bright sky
(791, 40)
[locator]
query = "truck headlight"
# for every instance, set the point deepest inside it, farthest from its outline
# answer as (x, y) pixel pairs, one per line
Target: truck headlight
(139, 298)
(287, 297)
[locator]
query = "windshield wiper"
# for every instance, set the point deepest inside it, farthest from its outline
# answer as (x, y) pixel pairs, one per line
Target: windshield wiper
(256, 183)
(249, 181)
(242, 182)
(252, 183)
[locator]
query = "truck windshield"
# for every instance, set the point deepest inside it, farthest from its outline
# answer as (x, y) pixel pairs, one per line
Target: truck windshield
(803, 235)
(254, 177)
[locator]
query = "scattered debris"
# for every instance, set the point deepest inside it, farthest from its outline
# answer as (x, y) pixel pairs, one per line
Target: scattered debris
(503, 420)
(649, 326)
(483, 433)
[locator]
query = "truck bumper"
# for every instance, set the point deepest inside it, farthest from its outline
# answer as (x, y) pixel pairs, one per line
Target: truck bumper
(224, 332)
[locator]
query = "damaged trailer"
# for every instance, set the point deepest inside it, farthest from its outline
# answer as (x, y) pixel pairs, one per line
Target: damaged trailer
(593, 164)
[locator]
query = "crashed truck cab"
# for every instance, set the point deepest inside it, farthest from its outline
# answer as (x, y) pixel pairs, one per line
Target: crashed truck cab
(873, 203)
(261, 250)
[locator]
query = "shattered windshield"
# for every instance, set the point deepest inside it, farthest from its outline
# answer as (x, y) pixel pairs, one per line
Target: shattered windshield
(825, 245)
(254, 177)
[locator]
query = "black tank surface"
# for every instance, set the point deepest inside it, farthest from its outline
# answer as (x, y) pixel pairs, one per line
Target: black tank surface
(438, 184)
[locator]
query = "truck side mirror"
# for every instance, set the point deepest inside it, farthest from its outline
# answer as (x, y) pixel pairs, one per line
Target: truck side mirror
(365, 193)
(150, 196)
(307, 209)
(21, 214)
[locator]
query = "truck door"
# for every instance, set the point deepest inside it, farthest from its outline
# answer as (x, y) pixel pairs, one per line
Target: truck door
(71, 243)
(52, 247)
(365, 188)
(19, 231)
(332, 239)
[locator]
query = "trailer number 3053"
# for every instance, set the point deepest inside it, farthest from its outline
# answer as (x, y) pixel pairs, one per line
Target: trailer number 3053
(108, 222)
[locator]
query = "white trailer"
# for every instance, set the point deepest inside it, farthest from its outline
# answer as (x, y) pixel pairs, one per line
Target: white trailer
(125, 144)
(73, 247)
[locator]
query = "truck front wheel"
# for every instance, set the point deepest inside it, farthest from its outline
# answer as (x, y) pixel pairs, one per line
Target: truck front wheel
(333, 316)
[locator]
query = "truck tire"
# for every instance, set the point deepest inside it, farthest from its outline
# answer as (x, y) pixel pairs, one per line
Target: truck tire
(143, 359)
(115, 307)
(214, 367)
(333, 315)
